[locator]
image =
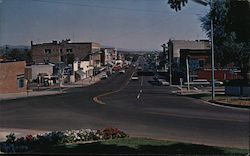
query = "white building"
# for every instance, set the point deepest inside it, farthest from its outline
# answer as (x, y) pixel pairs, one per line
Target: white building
(82, 69)
(37, 69)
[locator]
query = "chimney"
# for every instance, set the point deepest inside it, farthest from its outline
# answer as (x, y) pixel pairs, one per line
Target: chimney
(54, 42)
(31, 42)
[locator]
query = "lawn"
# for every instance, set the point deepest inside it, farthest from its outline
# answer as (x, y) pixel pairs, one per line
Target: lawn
(138, 146)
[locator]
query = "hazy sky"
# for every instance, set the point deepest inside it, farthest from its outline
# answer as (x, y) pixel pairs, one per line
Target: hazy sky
(131, 24)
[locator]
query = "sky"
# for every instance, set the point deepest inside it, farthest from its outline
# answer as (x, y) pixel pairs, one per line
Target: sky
(129, 24)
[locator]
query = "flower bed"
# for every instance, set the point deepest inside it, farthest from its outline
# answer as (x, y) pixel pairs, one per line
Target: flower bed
(29, 143)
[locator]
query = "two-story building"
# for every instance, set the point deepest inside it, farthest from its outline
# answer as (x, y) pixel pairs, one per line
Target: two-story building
(65, 51)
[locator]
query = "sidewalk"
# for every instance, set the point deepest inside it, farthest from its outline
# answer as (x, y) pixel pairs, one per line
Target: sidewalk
(52, 90)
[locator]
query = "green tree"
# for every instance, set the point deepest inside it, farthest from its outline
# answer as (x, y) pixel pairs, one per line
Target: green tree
(176, 4)
(19, 55)
(231, 41)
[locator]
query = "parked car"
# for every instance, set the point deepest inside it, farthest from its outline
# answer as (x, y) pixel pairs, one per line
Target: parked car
(199, 82)
(163, 82)
(122, 71)
(139, 68)
(116, 68)
(135, 77)
(126, 66)
(104, 76)
(217, 83)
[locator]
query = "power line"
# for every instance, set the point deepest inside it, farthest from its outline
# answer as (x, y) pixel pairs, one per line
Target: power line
(102, 6)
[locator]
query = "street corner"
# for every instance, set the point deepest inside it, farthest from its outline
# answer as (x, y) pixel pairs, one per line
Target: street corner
(230, 103)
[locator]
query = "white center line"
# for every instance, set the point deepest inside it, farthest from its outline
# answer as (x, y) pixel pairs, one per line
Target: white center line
(141, 80)
(138, 96)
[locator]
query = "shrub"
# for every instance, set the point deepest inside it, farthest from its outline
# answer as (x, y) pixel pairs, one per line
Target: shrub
(112, 133)
(24, 144)
(10, 138)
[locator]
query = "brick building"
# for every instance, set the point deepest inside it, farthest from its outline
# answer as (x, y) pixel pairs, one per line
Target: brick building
(64, 51)
(12, 77)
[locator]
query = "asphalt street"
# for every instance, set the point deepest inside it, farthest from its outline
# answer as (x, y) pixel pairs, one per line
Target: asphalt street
(135, 106)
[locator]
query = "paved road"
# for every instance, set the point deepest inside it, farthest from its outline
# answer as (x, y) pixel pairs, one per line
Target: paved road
(138, 108)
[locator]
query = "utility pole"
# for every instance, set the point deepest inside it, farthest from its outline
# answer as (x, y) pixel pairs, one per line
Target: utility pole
(170, 66)
(187, 65)
(205, 3)
(165, 56)
(212, 51)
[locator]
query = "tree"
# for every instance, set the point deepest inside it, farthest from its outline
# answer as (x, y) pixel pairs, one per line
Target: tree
(176, 4)
(231, 41)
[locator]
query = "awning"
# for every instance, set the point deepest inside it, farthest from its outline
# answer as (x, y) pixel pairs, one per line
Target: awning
(80, 72)
(110, 64)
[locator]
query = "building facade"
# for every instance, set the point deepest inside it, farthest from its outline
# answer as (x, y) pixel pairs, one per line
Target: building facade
(197, 59)
(63, 51)
(174, 47)
(12, 77)
(109, 55)
(32, 71)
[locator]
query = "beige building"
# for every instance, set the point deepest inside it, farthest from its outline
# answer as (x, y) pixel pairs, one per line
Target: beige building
(174, 47)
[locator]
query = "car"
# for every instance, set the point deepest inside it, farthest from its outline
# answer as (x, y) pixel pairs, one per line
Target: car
(116, 68)
(199, 82)
(122, 71)
(217, 83)
(104, 76)
(126, 66)
(135, 77)
(139, 68)
(163, 82)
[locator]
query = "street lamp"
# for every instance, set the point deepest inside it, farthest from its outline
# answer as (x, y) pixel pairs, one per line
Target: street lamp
(205, 2)
(165, 55)
(169, 63)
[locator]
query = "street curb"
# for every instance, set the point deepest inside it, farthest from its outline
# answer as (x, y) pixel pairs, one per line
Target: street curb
(24, 97)
(227, 104)
(214, 102)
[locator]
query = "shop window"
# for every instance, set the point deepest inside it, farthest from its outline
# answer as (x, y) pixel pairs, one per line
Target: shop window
(20, 81)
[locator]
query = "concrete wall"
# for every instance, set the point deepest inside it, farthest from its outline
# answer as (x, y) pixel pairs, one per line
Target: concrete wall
(9, 73)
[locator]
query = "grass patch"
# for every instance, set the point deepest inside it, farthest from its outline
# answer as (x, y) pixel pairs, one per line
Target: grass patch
(139, 146)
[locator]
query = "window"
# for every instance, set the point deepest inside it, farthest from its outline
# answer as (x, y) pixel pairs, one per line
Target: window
(20, 81)
(47, 51)
(69, 50)
(201, 63)
(61, 51)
